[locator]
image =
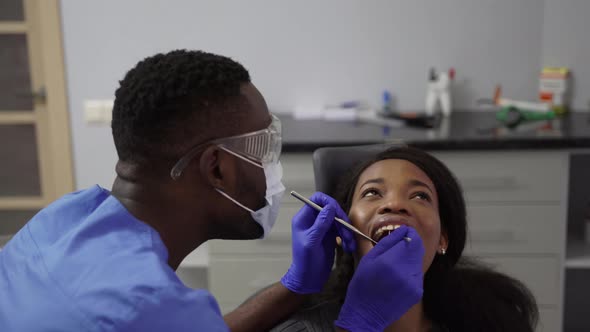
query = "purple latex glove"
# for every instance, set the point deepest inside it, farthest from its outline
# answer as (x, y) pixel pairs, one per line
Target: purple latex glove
(387, 282)
(314, 243)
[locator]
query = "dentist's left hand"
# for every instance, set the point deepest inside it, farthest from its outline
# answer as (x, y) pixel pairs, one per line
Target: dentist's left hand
(314, 243)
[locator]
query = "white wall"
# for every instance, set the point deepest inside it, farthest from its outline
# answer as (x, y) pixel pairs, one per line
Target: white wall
(566, 42)
(303, 53)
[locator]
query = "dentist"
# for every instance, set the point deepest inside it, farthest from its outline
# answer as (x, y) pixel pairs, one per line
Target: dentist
(198, 159)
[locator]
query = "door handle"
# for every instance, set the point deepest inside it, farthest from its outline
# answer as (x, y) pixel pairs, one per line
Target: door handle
(39, 96)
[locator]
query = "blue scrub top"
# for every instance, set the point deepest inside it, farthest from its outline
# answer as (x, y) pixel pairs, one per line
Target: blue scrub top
(85, 263)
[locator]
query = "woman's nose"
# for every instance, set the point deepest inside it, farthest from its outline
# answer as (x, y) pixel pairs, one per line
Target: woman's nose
(393, 205)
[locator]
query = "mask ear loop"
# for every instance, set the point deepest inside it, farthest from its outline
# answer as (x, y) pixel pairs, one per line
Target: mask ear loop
(228, 196)
(235, 201)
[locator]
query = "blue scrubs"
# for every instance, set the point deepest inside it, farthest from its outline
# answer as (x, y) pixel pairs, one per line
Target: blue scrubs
(85, 263)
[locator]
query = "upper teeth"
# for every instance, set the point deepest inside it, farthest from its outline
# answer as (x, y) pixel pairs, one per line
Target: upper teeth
(385, 228)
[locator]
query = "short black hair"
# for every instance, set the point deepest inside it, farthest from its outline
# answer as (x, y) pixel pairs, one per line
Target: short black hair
(158, 97)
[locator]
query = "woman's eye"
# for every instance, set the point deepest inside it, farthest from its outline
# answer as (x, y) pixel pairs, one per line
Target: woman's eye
(370, 192)
(422, 195)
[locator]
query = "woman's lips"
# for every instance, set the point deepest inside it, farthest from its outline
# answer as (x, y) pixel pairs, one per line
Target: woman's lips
(385, 225)
(384, 231)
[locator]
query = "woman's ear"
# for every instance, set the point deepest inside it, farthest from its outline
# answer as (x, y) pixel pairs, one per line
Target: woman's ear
(443, 243)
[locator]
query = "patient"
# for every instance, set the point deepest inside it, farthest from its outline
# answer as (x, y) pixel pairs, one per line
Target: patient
(406, 186)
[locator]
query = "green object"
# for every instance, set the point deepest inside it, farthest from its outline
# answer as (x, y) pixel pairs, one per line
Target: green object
(512, 116)
(560, 110)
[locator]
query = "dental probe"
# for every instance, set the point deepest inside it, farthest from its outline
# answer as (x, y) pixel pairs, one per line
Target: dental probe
(342, 222)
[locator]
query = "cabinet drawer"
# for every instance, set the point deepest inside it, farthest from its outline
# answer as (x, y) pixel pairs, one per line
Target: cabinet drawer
(298, 172)
(509, 176)
(286, 214)
(540, 274)
(279, 244)
(236, 279)
(515, 229)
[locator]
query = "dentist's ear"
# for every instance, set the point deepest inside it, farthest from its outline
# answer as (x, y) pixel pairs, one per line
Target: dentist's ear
(217, 168)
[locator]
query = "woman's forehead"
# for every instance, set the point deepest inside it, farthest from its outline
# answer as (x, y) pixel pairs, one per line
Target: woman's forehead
(395, 171)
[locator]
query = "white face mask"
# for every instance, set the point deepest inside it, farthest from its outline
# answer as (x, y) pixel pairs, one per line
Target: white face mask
(267, 215)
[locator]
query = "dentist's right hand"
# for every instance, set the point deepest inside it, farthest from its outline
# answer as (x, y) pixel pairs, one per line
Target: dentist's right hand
(314, 243)
(387, 282)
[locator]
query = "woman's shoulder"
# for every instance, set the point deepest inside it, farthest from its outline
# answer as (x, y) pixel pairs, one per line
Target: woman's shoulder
(312, 318)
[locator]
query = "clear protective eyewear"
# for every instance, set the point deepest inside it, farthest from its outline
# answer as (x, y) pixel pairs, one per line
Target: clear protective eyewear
(257, 147)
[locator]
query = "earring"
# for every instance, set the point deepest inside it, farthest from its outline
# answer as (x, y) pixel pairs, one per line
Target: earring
(443, 251)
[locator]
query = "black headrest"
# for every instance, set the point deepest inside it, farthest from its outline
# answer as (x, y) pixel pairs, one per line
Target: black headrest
(330, 164)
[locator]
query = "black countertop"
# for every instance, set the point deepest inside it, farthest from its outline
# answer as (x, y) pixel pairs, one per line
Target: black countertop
(462, 131)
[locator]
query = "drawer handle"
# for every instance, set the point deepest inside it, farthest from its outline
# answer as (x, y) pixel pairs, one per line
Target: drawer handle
(493, 236)
(503, 182)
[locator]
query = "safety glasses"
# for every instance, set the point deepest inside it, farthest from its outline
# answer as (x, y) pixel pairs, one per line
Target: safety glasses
(261, 146)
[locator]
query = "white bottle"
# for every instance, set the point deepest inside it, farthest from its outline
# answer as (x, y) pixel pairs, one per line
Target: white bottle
(439, 91)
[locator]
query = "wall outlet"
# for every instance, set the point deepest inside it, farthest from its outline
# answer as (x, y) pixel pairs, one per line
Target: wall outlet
(98, 111)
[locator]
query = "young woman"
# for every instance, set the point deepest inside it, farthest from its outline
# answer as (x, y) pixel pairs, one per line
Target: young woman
(406, 187)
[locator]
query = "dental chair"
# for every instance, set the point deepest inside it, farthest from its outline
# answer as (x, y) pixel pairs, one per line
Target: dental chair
(331, 163)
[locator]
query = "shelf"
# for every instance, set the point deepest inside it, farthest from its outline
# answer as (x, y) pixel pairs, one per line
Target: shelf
(577, 255)
(578, 263)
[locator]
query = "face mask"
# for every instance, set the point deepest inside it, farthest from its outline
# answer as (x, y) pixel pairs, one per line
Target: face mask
(267, 215)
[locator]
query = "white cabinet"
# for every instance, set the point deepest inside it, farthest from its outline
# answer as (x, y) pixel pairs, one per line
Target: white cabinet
(516, 204)
(509, 177)
(239, 277)
(517, 213)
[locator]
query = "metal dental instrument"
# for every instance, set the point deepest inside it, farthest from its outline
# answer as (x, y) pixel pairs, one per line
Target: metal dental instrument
(342, 222)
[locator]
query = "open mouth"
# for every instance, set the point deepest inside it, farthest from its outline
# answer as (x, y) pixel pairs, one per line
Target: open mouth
(383, 231)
